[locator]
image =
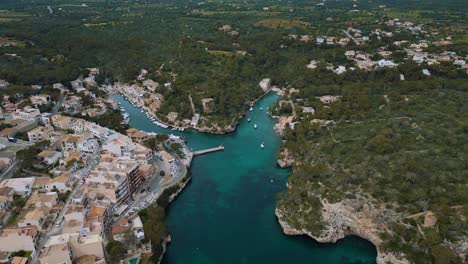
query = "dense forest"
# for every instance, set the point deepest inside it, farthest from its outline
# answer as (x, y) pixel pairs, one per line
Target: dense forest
(399, 145)
(181, 42)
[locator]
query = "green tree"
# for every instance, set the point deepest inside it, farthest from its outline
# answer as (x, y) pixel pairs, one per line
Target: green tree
(116, 251)
(443, 255)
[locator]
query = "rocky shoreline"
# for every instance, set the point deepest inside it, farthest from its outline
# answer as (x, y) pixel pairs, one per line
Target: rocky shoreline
(181, 185)
(342, 220)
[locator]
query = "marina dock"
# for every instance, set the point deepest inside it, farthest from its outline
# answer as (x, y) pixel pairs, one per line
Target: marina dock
(206, 151)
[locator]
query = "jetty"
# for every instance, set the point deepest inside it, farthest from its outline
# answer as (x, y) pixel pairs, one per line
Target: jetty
(206, 151)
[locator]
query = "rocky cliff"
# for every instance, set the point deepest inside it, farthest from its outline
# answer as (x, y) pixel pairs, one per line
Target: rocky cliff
(342, 219)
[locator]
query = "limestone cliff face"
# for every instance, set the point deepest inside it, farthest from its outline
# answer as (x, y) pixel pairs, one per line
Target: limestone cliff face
(342, 219)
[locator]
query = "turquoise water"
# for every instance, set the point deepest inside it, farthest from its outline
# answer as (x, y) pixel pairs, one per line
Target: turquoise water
(226, 213)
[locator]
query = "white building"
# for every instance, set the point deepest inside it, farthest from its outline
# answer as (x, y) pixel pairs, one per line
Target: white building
(40, 99)
(350, 53)
(40, 133)
(340, 70)
(385, 63)
(320, 40)
(21, 186)
(459, 63)
(49, 156)
(27, 113)
(426, 72)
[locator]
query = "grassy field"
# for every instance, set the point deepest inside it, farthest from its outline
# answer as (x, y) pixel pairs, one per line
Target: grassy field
(276, 23)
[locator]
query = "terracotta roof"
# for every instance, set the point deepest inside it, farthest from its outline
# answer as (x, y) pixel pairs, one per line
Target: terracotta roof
(86, 259)
(118, 229)
(56, 248)
(40, 181)
(123, 222)
(6, 191)
(46, 153)
(96, 211)
(70, 138)
(63, 178)
(73, 155)
(9, 132)
(22, 231)
(19, 260)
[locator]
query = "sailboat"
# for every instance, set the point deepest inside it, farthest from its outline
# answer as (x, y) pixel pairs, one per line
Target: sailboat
(251, 109)
(255, 126)
(262, 145)
(248, 120)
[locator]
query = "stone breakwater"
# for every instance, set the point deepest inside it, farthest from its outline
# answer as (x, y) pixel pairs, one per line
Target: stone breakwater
(341, 220)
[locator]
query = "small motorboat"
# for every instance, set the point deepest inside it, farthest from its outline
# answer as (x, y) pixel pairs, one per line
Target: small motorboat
(248, 120)
(251, 108)
(261, 108)
(255, 126)
(262, 145)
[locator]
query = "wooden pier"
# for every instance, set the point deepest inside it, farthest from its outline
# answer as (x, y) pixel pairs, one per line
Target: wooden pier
(206, 151)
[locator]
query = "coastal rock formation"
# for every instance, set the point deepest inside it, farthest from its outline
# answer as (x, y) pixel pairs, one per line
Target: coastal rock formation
(285, 160)
(265, 84)
(283, 121)
(342, 219)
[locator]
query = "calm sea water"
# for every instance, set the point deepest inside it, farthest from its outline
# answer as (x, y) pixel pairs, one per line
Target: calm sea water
(226, 213)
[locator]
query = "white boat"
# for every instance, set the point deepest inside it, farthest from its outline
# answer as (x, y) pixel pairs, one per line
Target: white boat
(261, 108)
(251, 109)
(248, 120)
(255, 126)
(262, 145)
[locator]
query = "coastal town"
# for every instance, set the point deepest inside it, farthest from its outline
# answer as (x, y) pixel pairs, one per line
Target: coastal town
(83, 185)
(332, 120)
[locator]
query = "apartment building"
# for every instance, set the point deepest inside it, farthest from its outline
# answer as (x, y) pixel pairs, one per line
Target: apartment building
(40, 133)
(82, 142)
(18, 238)
(124, 148)
(27, 113)
(60, 253)
(80, 246)
(21, 186)
(40, 99)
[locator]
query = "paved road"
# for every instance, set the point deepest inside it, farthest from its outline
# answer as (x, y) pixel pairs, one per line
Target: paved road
(58, 105)
(19, 143)
(10, 171)
(53, 230)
